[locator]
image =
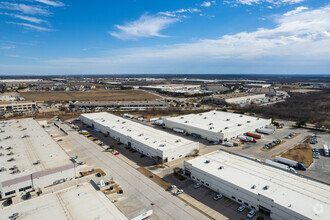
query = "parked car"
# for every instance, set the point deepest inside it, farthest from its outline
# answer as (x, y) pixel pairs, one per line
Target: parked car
(197, 185)
(241, 208)
(178, 192)
(117, 153)
(171, 188)
(217, 197)
(251, 214)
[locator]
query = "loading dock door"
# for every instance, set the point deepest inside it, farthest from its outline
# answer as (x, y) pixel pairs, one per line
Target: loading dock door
(264, 210)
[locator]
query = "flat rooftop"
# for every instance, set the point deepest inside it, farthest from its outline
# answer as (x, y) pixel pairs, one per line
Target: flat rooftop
(302, 195)
(152, 137)
(36, 145)
(219, 122)
(82, 202)
(234, 95)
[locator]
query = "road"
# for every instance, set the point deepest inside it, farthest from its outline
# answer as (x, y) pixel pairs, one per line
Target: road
(165, 206)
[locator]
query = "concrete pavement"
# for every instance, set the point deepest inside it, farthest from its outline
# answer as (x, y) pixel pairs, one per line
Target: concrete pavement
(165, 206)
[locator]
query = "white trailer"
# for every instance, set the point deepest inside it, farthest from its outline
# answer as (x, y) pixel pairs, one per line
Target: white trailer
(265, 131)
(246, 138)
(179, 130)
(154, 119)
(159, 122)
(286, 161)
(326, 150)
(228, 144)
(280, 166)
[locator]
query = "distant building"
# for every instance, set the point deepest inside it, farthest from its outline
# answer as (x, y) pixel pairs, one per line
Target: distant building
(271, 191)
(176, 89)
(153, 143)
(257, 85)
(18, 106)
(216, 88)
(269, 91)
(122, 105)
(235, 98)
(216, 125)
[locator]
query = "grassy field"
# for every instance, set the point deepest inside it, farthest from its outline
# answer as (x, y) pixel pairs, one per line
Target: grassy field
(102, 95)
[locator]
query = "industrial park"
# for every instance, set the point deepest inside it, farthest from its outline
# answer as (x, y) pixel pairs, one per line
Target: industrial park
(122, 149)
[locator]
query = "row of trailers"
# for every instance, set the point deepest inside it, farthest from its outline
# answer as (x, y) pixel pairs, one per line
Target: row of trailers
(247, 137)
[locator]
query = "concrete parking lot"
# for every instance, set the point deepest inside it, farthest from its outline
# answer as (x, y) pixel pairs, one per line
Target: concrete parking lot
(203, 197)
(165, 206)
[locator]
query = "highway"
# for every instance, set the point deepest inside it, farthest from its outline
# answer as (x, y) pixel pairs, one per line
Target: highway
(165, 205)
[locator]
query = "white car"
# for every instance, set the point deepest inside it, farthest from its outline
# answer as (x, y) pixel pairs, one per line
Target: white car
(241, 208)
(252, 213)
(217, 197)
(197, 185)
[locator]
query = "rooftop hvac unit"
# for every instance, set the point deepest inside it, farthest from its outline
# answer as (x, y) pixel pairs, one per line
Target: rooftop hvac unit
(241, 116)
(211, 128)
(141, 134)
(266, 187)
(253, 187)
(226, 127)
(214, 113)
(186, 122)
(207, 161)
(248, 122)
(205, 117)
(239, 125)
(221, 167)
(227, 119)
(211, 124)
(162, 145)
(181, 117)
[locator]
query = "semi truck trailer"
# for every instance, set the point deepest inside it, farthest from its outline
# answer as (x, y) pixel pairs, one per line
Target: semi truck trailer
(289, 162)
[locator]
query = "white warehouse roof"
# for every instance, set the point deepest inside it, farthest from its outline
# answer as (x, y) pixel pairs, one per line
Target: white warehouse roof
(220, 122)
(82, 202)
(23, 152)
(301, 195)
(149, 136)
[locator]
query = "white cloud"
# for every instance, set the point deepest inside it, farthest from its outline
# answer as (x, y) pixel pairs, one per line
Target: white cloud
(26, 18)
(302, 37)
(26, 9)
(296, 11)
(9, 47)
(273, 2)
(51, 3)
(180, 13)
(206, 4)
(145, 26)
(30, 26)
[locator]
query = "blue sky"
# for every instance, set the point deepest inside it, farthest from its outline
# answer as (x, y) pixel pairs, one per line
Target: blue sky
(164, 36)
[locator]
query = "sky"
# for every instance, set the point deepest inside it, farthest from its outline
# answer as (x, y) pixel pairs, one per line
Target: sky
(164, 36)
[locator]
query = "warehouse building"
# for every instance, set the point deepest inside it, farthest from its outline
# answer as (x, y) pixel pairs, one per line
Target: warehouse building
(153, 143)
(216, 125)
(18, 106)
(236, 98)
(122, 105)
(82, 202)
(30, 159)
(271, 191)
